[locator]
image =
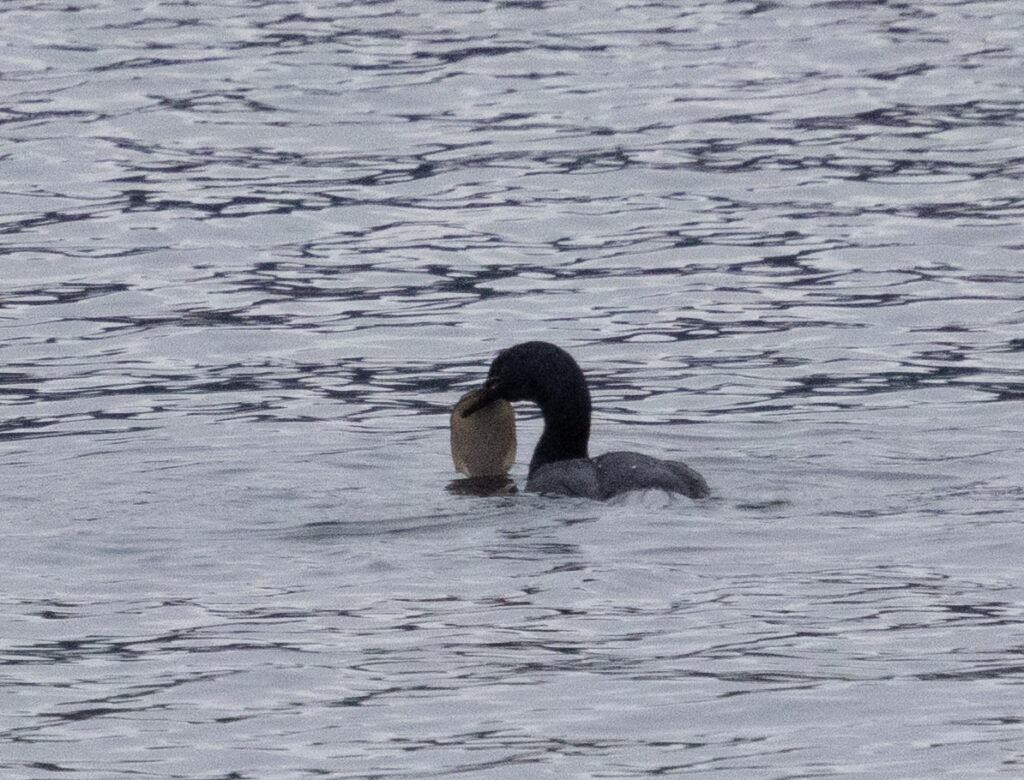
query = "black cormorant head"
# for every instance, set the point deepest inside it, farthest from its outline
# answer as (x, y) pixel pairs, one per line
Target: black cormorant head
(533, 371)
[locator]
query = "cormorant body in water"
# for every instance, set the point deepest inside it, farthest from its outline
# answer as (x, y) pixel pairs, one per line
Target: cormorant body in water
(547, 375)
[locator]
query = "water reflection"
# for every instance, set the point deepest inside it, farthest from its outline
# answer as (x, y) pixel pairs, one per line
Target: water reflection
(482, 486)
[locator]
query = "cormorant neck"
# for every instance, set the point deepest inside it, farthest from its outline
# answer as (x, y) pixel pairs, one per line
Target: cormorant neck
(566, 426)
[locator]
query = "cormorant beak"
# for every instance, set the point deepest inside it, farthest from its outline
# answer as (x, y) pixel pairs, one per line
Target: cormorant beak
(488, 395)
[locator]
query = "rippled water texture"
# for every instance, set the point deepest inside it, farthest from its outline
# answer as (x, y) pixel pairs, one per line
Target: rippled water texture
(250, 255)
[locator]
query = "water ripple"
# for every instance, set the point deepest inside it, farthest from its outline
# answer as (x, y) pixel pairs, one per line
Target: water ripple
(250, 257)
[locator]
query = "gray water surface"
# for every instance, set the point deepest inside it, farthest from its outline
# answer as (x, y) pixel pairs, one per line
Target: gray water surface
(251, 254)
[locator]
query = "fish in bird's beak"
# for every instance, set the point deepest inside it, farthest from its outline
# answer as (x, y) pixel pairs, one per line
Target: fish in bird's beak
(478, 399)
(483, 434)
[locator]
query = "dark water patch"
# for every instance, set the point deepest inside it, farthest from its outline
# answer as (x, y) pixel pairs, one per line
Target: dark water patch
(902, 72)
(937, 117)
(68, 292)
(27, 118)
